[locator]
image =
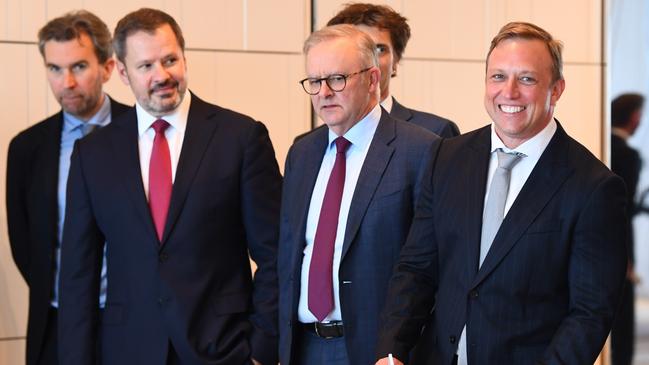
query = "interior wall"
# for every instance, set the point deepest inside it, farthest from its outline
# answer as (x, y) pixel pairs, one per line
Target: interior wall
(246, 55)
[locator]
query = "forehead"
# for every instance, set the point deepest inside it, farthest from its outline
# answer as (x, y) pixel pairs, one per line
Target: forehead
(377, 34)
(532, 54)
(332, 56)
(143, 43)
(70, 51)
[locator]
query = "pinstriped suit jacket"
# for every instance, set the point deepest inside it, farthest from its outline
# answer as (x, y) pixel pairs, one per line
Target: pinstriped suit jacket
(546, 292)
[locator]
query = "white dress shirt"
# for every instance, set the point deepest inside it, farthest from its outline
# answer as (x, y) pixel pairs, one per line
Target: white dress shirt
(175, 135)
(360, 136)
(532, 149)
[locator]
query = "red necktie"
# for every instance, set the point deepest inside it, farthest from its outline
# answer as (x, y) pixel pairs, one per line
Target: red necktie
(160, 177)
(321, 299)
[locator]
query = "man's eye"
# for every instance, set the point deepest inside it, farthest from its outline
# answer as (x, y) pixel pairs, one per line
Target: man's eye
(313, 82)
(79, 67)
(336, 78)
(53, 68)
(497, 77)
(381, 49)
(170, 61)
(527, 79)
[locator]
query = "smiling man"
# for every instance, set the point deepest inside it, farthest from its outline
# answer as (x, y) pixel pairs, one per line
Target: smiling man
(349, 198)
(78, 58)
(518, 243)
(183, 191)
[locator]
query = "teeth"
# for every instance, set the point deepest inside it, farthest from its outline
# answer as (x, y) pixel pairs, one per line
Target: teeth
(511, 109)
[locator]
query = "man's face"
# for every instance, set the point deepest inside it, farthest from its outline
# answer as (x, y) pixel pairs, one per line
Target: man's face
(155, 69)
(520, 95)
(342, 110)
(75, 75)
(387, 59)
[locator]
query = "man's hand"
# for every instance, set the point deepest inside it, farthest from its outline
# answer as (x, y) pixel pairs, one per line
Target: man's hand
(255, 362)
(384, 361)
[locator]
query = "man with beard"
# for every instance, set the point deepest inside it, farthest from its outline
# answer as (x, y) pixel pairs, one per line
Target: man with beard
(182, 191)
(78, 57)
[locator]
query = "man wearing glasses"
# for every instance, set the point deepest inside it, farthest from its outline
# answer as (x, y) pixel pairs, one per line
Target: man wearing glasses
(348, 201)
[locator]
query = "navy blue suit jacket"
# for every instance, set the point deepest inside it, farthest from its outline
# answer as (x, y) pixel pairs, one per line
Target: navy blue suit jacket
(548, 288)
(193, 289)
(32, 216)
(441, 126)
(380, 215)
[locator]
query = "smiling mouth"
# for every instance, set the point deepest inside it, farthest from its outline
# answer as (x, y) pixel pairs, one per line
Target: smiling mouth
(511, 109)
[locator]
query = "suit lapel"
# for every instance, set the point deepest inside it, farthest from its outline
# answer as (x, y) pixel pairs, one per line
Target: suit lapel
(49, 171)
(477, 162)
(125, 150)
(377, 159)
(309, 173)
(545, 180)
(200, 129)
(399, 111)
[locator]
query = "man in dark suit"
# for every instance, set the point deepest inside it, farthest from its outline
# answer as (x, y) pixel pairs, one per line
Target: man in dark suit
(345, 215)
(626, 113)
(77, 54)
(518, 240)
(391, 32)
(182, 191)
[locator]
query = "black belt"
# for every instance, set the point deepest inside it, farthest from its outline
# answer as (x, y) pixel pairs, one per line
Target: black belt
(325, 330)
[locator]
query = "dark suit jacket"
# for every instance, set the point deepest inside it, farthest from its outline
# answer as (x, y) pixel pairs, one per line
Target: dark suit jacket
(626, 163)
(193, 290)
(434, 123)
(381, 211)
(546, 292)
(32, 215)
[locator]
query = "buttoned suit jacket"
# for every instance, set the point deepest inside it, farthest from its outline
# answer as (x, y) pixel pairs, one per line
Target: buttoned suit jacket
(32, 216)
(193, 289)
(547, 290)
(380, 214)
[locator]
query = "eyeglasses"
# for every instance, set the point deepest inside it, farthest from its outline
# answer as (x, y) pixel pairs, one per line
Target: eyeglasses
(335, 82)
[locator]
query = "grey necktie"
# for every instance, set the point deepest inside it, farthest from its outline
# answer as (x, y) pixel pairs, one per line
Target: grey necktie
(494, 211)
(87, 128)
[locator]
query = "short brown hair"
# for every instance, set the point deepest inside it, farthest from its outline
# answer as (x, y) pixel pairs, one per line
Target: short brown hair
(71, 26)
(365, 45)
(380, 16)
(623, 107)
(532, 32)
(147, 20)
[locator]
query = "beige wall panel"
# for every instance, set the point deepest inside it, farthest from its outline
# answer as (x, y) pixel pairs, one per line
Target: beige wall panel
(15, 103)
(264, 87)
(447, 29)
(272, 27)
(60, 7)
(579, 28)
(112, 11)
(450, 89)
(21, 19)
(325, 10)
(213, 24)
(580, 108)
(12, 352)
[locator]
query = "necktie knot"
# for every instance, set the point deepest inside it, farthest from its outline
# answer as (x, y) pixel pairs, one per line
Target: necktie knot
(87, 128)
(159, 126)
(507, 160)
(341, 144)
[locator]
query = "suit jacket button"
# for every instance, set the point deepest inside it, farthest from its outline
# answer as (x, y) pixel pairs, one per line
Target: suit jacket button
(452, 339)
(473, 294)
(163, 257)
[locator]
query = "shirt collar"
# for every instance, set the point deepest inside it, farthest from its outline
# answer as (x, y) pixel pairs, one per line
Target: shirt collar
(177, 118)
(360, 135)
(387, 103)
(101, 118)
(533, 147)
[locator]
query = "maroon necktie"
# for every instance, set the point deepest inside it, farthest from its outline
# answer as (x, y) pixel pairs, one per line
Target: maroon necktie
(321, 296)
(160, 177)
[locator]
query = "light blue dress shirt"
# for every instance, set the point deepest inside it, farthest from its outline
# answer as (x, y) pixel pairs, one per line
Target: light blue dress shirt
(71, 131)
